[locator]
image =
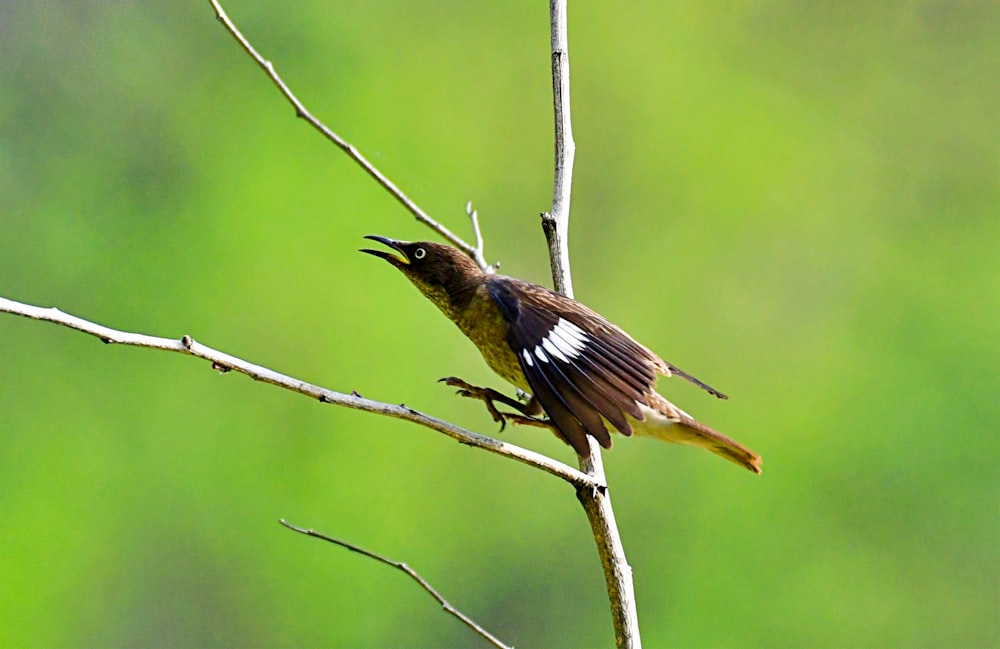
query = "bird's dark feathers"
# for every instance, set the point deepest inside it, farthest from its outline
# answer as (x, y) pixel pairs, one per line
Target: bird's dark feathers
(580, 366)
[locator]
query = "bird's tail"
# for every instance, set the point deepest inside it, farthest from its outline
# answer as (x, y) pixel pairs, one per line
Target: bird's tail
(697, 434)
(671, 424)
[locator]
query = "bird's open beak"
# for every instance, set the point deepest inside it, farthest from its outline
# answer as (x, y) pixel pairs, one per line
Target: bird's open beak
(388, 256)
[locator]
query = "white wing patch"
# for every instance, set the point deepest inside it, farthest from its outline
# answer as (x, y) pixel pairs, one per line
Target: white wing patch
(564, 341)
(553, 350)
(567, 338)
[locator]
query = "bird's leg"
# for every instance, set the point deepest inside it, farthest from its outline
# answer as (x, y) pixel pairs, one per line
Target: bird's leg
(528, 411)
(532, 411)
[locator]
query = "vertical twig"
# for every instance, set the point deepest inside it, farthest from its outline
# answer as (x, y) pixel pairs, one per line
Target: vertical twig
(596, 502)
(556, 222)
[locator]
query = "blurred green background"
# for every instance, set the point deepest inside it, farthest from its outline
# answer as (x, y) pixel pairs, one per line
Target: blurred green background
(796, 202)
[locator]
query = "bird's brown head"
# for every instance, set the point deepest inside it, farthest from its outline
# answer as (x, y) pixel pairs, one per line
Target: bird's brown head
(446, 275)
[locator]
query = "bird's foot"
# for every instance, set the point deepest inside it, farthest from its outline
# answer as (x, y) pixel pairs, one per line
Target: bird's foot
(489, 396)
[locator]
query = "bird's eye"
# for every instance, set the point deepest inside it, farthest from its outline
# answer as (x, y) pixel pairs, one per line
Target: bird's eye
(419, 253)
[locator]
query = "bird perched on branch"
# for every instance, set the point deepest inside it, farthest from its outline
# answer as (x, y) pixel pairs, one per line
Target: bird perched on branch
(580, 369)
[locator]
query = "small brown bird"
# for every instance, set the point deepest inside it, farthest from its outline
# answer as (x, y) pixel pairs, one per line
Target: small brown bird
(581, 370)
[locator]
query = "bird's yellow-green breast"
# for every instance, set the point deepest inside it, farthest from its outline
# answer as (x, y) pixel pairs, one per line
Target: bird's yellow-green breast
(484, 325)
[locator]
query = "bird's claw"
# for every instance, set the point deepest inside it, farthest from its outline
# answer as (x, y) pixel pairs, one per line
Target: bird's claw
(527, 413)
(486, 395)
(464, 388)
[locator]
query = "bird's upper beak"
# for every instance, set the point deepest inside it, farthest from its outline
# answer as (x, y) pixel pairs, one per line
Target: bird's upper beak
(388, 256)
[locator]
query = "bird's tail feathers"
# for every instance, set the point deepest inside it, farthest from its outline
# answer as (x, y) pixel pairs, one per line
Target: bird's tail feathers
(694, 433)
(705, 437)
(671, 424)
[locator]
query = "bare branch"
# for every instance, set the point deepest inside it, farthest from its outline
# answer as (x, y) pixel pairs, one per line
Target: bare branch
(344, 145)
(556, 222)
(409, 571)
(617, 571)
(225, 362)
(597, 504)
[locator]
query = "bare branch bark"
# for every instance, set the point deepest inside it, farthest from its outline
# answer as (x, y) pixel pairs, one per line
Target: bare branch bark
(466, 620)
(590, 481)
(555, 223)
(475, 253)
(596, 503)
(226, 362)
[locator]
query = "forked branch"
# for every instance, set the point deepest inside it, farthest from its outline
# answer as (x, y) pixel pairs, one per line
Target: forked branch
(589, 482)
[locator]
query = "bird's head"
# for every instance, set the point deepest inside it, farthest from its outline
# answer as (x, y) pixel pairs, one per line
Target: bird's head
(446, 275)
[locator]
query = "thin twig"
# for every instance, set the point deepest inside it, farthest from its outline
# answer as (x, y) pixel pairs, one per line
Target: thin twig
(344, 145)
(596, 503)
(409, 571)
(225, 362)
(480, 244)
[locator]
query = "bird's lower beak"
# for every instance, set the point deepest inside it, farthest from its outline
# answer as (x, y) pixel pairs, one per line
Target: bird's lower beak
(388, 256)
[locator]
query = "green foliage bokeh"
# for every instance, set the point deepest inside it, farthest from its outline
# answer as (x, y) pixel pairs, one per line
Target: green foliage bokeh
(796, 202)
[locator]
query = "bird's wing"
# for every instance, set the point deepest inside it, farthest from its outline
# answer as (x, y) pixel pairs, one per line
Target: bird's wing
(581, 367)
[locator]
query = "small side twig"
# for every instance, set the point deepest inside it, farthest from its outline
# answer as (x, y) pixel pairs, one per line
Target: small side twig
(465, 619)
(225, 362)
(480, 244)
(344, 145)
